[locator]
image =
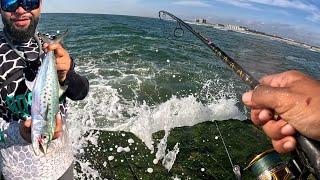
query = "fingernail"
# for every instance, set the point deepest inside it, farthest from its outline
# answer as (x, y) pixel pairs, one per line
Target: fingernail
(288, 145)
(287, 130)
(265, 115)
(246, 97)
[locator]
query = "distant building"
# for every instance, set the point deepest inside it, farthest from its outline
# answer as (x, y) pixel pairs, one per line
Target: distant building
(218, 25)
(235, 27)
(203, 21)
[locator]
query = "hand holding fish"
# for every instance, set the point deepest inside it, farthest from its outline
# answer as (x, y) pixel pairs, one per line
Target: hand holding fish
(295, 98)
(25, 129)
(63, 60)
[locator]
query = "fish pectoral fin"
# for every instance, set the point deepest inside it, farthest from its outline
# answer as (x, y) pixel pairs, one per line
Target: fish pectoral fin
(30, 84)
(57, 39)
(44, 114)
(62, 90)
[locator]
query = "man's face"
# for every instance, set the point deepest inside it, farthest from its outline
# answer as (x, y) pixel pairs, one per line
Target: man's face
(21, 24)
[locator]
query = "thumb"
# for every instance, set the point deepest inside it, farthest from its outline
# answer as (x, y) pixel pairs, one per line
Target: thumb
(27, 123)
(58, 129)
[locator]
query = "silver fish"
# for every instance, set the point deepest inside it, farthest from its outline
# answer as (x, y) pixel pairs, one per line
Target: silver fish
(45, 100)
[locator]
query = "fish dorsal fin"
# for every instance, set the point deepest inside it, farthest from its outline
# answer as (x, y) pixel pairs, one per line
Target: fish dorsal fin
(58, 38)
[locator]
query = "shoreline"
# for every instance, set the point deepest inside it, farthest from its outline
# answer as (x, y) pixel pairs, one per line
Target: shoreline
(244, 30)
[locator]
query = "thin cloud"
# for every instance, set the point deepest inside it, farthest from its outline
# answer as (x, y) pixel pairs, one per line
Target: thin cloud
(192, 3)
(306, 7)
(285, 4)
(310, 8)
(315, 17)
(239, 3)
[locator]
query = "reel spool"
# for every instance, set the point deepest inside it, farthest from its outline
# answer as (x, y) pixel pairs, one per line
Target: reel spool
(269, 166)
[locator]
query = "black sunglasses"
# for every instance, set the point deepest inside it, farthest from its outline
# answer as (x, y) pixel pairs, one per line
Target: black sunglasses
(12, 5)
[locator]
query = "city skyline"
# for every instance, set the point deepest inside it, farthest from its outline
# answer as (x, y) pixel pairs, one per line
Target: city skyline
(297, 19)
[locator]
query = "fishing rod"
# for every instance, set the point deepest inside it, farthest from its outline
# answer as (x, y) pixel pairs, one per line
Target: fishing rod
(267, 165)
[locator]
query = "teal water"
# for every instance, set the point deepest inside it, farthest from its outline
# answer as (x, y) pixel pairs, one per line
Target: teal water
(135, 67)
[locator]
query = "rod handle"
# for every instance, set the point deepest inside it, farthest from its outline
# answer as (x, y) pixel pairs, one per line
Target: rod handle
(310, 149)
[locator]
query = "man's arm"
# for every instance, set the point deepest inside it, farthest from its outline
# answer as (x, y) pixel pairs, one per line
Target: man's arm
(78, 86)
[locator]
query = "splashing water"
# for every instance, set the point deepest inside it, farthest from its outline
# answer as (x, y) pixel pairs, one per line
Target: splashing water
(170, 157)
(176, 112)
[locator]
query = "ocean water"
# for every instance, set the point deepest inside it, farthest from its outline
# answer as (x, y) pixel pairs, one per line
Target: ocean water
(143, 80)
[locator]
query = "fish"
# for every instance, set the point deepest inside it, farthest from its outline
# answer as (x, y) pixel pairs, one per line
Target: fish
(46, 91)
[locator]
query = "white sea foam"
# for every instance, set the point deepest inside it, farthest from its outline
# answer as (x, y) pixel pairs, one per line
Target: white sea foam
(117, 52)
(177, 113)
(175, 178)
(119, 149)
(173, 113)
(130, 141)
(162, 146)
(87, 171)
(170, 157)
(150, 170)
(110, 158)
(104, 109)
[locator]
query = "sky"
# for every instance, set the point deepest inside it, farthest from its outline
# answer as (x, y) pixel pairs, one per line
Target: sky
(296, 19)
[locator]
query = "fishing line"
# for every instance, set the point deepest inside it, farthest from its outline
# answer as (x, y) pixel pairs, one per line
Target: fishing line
(224, 144)
(235, 168)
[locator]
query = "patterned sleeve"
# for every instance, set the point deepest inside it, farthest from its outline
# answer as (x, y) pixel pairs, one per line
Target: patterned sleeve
(10, 134)
(78, 86)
